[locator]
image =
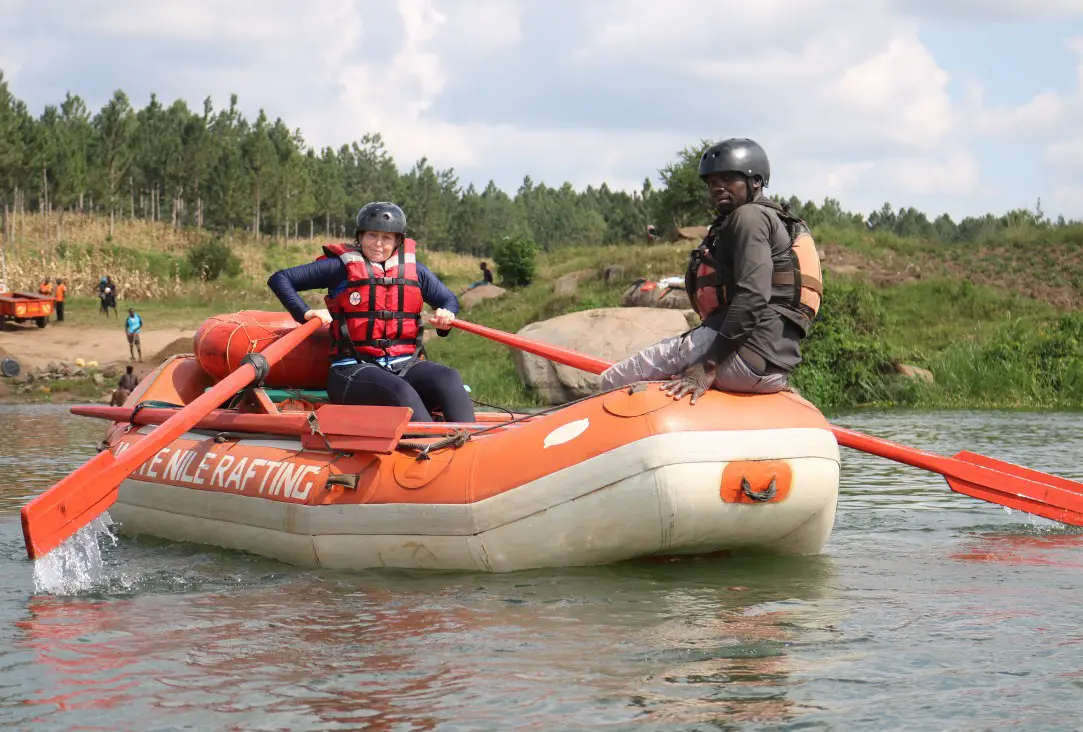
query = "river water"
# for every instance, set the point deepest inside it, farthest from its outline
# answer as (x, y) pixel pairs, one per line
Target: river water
(928, 611)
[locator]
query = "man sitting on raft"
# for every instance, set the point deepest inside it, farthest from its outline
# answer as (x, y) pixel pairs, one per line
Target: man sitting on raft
(754, 281)
(375, 291)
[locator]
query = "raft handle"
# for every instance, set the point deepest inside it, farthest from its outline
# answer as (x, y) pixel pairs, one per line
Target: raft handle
(346, 480)
(765, 495)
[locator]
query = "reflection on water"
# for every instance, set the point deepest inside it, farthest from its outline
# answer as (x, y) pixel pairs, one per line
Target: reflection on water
(930, 610)
(304, 650)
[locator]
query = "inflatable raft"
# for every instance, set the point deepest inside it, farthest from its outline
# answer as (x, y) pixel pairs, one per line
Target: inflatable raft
(620, 475)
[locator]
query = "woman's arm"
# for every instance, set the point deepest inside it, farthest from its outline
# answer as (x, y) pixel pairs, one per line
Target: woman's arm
(285, 283)
(435, 292)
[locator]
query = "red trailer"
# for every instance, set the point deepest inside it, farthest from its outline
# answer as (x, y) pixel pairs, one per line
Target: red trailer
(22, 306)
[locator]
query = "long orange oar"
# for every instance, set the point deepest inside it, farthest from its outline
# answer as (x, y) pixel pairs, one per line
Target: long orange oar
(91, 489)
(978, 476)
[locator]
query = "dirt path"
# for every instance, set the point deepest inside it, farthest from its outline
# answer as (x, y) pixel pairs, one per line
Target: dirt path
(34, 346)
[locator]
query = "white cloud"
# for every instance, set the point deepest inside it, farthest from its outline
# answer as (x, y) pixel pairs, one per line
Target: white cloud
(484, 27)
(990, 11)
(1045, 112)
(902, 92)
(958, 173)
(1066, 153)
(847, 97)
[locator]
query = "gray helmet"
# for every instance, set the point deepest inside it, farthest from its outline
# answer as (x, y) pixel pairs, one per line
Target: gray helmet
(736, 155)
(381, 216)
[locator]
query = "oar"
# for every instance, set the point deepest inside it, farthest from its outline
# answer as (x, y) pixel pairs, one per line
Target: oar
(89, 490)
(974, 475)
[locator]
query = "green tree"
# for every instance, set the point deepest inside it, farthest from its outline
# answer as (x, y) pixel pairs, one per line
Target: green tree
(115, 124)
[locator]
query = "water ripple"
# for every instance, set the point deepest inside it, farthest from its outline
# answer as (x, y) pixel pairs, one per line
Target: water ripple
(929, 610)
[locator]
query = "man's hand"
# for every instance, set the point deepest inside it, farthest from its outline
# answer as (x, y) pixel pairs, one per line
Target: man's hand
(323, 315)
(442, 319)
(694, 380)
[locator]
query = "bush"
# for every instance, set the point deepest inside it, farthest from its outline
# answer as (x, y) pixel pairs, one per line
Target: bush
(845, 360)
(214, 258)
(514, 257)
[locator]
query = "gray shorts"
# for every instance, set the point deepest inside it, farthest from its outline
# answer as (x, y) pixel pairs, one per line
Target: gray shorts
(671, 356)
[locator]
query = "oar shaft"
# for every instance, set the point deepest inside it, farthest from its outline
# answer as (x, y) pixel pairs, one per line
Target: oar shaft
(890, 450)
(553, 353)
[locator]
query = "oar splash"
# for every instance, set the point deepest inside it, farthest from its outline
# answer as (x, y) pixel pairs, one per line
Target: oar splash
(88, 491)
(971, 474)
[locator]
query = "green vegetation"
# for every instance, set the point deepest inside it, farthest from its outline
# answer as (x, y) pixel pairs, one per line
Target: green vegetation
(515, 258)
(191, 211)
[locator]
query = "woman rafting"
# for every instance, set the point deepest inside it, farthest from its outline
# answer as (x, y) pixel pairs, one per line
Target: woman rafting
(375, 291)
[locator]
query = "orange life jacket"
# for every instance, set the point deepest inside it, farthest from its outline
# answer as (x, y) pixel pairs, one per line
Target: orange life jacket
(796, 282)
(378, 312)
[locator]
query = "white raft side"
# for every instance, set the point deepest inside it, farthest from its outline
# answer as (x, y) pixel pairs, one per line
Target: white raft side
(566, 484)
(621, 521)
(615, 506)
(674, 509)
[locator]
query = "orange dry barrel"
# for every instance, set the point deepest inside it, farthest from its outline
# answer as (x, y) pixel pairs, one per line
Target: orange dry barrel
(223, 340)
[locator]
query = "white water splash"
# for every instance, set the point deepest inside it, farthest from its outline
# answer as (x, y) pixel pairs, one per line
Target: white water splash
(76, 565)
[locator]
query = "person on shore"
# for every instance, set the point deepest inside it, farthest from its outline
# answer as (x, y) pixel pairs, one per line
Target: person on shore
(103, 308)
(486, 278)
(59, 295)
(754, 281)
(375, 292)
(125, 387)
(111, 295)
(132, 326)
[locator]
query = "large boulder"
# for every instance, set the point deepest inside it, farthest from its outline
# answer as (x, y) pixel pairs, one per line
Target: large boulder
(612, 273)
(609, 333)
(472, 297)
(692, 233)
(668, 292)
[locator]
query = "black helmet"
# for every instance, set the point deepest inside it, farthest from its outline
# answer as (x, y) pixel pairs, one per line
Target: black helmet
(736, 155)
(381, 216)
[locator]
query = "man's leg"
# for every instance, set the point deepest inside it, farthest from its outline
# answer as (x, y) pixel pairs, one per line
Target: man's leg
(654, 363)
(734, 374)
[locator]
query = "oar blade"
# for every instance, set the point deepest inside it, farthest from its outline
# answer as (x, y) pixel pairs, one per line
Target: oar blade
(1019, 501)
(85, 493)
(1019, 471)
(60, 512)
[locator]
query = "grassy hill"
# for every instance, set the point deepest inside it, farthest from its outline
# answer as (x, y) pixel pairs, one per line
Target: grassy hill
(997, 323)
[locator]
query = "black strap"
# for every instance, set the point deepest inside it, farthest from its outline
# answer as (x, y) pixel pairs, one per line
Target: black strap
(259, 363)
(383, 281)
(402, 289)
(382, 315)
(385, 343)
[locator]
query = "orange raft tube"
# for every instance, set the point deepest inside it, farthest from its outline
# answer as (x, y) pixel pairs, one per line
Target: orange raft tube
(619, 475)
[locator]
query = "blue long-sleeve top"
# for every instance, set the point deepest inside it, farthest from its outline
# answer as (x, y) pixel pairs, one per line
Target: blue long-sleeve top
(330, 273)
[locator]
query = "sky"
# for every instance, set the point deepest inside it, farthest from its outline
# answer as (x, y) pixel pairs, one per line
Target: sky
(951, 106)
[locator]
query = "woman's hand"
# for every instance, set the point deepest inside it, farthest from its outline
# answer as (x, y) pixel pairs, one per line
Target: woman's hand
(442, 319)
(323, 315)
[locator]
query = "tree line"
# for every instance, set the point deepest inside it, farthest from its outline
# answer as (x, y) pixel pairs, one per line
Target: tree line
(216, 170)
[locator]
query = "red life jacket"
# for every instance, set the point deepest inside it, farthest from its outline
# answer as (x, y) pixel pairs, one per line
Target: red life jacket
(796, 282)
(378, 313)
